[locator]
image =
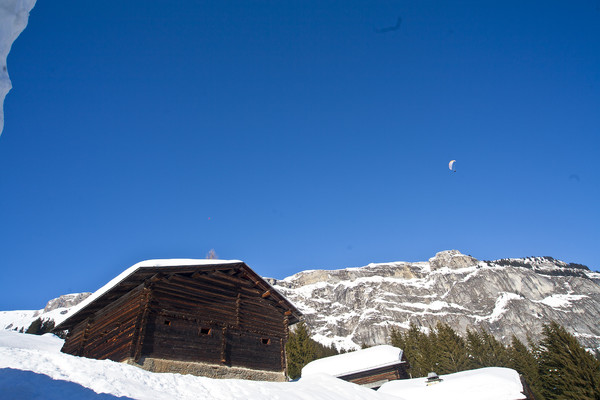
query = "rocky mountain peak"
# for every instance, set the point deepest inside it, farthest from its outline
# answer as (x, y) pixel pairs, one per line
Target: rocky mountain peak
(67, 300)
(513, 296)
(452, 259)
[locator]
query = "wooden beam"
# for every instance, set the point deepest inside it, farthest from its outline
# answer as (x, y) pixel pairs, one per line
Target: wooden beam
(141, 323)
(238, 303)
(266, 294)
(224, 346)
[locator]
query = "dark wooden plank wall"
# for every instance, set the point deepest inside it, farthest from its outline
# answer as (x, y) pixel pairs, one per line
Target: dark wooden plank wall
(73, 344)
(220, 302)
(215, 318)
(390, 373)
(255, 351)
(111, 336)
(173, 337)
(110, 333)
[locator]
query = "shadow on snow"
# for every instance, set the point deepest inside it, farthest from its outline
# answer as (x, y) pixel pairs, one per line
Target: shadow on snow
(26, 385)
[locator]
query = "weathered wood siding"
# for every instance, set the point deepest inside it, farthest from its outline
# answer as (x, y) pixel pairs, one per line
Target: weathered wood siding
(73, 344)
(110, 334)
(180, 337)
(214, 318)
(221, 317)
(255, 351)
(379, 375)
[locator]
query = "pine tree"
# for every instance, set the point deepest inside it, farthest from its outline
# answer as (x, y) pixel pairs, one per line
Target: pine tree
(300, 350)
(567, 370)
(430, 351)
(474, 349)
(35, 327)
(485, 350)
(39, 327)
(525, 363)
(415, 346)
(324, 351)
(452, 350)
(397, 339)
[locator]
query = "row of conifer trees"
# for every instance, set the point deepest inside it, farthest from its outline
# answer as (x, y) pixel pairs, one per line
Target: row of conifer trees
(555, 367)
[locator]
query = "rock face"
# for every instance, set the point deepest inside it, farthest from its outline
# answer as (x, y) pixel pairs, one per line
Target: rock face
(55, 309)
(65, 301)
(452, 259)
(356, 306)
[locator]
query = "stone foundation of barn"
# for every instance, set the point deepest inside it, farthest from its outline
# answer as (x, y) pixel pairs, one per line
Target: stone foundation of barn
(206, 369)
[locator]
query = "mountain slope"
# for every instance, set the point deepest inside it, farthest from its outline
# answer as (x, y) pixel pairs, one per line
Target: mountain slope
(355, 306)
(56, 309)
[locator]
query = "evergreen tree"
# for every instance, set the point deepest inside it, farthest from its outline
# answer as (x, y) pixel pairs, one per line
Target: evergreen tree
(47, 326)
(452, 350)
(397, 339)
(323, 351)
(430, 351)
(39, 327)
(300, 350)
(485, 350)
(525, 363)
(416, 347)
(35, 327)
(474, 349)
(567, 370)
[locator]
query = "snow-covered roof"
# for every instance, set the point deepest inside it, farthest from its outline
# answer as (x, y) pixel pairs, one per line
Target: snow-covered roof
(479, 384)
(144, 270)
(355, 361)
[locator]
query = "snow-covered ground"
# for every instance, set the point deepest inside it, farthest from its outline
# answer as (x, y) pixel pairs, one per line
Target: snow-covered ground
(479, 384)
(32, 367)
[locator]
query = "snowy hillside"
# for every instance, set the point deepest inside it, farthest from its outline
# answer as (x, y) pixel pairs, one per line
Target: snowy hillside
(352, 306)
(55, 310)
(32, 367)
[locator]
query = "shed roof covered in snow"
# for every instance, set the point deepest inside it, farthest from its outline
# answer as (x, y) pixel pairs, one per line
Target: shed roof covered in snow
(355, 361)
(139, 273)
(492, 383)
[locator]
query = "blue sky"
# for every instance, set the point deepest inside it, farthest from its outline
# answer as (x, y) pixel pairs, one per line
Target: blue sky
(293, 135)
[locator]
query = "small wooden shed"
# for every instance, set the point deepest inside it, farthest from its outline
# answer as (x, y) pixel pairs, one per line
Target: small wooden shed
(371, 367)
(213, 318)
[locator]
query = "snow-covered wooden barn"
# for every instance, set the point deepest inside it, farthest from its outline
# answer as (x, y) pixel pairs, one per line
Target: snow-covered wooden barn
(212, 318)
(371, 367)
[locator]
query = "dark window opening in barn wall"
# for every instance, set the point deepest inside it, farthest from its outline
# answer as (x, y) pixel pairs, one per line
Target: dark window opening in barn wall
(205, 331)
(265, 341)
(167, 322)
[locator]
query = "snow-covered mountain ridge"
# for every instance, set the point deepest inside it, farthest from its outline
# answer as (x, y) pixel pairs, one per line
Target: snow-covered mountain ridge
(352, 306)
(56, 309)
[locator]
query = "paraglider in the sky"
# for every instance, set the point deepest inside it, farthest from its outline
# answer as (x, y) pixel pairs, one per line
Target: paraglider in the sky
(451, 165)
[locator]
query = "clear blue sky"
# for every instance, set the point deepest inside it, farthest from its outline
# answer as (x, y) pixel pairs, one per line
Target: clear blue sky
(293, 135)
